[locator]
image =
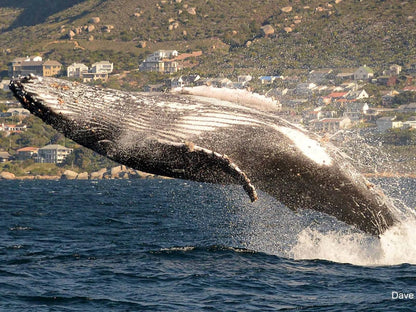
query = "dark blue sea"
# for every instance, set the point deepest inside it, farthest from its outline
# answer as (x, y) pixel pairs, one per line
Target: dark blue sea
(172, 245)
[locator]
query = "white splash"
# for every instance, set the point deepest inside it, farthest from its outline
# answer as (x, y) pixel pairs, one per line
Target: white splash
(395, 246)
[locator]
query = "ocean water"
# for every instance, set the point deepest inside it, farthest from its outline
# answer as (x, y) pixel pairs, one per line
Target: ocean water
(172, 245)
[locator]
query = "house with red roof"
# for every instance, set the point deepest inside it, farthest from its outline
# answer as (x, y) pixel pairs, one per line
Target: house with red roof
(27, 152)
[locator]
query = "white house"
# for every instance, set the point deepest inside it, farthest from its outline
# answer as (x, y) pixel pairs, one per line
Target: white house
(53, 153)
(102, 67)
(363, 73)
(162, 54)
(76, 70)
(386, 123)
(161, 61)
(357, 95)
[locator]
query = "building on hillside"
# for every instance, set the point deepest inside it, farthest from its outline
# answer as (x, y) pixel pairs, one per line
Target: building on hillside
(269, 79)
(386, 123)
(102, 67)
(355, 110)
(408, 108)
(409, 89)
(182, 81)
(27, 152)
(53, 153)
(88, 77)
(51, 68)
(13, 128)
(330, 124)
(4, 156)
(345, 76)
(394, 70)
(162, 61)
(332, 97)
(76, 70)
(34, 65)
(18, 112)
(320, 75)
(363, 73)
(409, 124)
(305, 88)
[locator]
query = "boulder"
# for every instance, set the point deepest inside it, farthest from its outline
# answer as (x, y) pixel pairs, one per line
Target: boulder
(98, 175)
(288, 29)
(69, 175)
(191, 10)
(7, 175)
(142, 44)
(71, 34)
(95, 20)
(115, 172)
(82, 176)
(267, 30)
(286, 9)
(90, 28)
(108, 28)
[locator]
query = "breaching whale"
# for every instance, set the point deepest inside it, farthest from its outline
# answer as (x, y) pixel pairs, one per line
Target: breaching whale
(207, 139)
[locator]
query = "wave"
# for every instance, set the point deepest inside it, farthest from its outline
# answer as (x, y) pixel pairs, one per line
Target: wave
(212, 248)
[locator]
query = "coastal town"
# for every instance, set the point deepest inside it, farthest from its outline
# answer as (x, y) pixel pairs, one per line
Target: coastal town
(325, 100)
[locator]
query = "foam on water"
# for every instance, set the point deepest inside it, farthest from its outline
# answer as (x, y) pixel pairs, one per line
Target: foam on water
(395, 246)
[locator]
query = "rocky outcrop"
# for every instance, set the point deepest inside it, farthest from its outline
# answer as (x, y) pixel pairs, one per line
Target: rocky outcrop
(7, 176)
(118, 172)
(69, 175)
(83, 176)
(98, 175)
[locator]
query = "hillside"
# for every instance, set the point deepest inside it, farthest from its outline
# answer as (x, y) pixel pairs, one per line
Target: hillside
(307, 34)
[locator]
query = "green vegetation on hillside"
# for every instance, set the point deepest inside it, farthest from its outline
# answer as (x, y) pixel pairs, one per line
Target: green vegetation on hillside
(307, 34)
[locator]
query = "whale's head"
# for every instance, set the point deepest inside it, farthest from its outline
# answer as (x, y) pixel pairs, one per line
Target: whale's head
(63, 105)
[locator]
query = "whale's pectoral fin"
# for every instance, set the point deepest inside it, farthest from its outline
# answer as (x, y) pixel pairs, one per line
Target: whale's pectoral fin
(192, 162)
(212, 165)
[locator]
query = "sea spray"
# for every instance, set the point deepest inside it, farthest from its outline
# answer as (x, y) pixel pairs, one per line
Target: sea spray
(395, 246)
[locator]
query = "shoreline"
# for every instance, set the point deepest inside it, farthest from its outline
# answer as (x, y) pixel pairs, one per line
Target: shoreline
(135, 174)
(115, 173)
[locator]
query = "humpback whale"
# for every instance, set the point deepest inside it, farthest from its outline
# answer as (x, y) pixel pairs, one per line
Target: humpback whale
(210, 139)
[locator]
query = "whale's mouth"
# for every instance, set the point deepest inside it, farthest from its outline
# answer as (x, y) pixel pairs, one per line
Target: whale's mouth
(31, 93)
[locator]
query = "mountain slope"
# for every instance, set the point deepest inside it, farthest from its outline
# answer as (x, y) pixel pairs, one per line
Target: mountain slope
(307, 34)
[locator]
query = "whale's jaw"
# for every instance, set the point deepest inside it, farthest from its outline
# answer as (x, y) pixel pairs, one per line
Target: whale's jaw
(189, 137)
